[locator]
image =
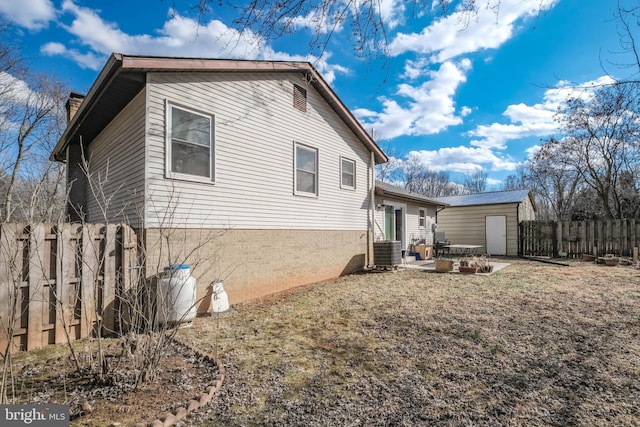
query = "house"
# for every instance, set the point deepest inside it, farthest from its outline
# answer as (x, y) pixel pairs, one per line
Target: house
(487, 219)
(404, 216)
(253, 172)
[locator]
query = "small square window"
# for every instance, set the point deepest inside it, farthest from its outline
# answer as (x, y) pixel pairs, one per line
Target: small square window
(347, 173)
(306, 170)
(300, 98)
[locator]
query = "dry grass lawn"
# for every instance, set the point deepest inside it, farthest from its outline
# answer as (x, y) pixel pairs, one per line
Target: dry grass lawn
(532, 344)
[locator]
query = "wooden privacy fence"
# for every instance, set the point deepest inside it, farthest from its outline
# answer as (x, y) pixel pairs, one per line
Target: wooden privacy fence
(58, 280)
(574, 238)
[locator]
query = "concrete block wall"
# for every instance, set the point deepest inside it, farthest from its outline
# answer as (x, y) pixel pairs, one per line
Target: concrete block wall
(255, 263)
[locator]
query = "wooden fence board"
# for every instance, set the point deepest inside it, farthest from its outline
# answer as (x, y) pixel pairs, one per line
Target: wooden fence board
(36, 297)
(11, 287)
(56, 279)
(88, 262)
(109, 281)
(619, 237)
(64, 285)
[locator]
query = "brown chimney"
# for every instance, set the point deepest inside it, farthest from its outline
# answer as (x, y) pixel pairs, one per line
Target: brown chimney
(73, 104)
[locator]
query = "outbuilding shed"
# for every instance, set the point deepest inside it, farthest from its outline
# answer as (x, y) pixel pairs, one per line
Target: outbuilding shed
(487, 219)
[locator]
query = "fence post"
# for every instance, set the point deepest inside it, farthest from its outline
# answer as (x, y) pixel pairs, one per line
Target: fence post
(88, 264)
(127, 263)
(36, 278)
(109, 280)
(555, 226)
(66, 300)
(10, 284)
(520, 238)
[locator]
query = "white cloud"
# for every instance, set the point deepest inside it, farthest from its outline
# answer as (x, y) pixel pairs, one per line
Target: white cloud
(465, 111)
(391, 12)
(536, 120)
(179, 36)
(317, 22)
(462, 33)
(14, 91)
(331, 19)
(429, 108)
(31, 14)
(84, 60)
(533, 150)
(462, 159)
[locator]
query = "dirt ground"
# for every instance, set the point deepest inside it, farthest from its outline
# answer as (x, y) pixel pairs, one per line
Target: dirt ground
(532, 344)
(50, 376)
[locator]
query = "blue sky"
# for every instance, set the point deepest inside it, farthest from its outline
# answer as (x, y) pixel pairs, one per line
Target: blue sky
(462, 99)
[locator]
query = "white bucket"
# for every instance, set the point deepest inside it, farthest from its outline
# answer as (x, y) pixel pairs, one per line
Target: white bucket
(219, 298)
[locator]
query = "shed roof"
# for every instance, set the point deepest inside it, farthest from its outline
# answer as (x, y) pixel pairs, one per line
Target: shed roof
(124, 76)
(386, 189)
(490, 198)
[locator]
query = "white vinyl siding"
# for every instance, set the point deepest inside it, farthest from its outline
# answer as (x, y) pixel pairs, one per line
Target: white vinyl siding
(526, 211)
(347, 173)
(466, 224)
(255, 124)
(116, 159)
(412, 227)
(415, 231)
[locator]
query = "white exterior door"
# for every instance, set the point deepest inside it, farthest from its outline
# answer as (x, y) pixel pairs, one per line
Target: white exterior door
(394, 223)
(496, 231)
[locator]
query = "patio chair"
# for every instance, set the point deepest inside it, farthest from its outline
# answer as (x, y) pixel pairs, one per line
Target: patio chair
(440, 243)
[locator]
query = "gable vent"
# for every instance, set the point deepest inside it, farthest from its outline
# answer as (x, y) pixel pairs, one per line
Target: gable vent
(300, 98)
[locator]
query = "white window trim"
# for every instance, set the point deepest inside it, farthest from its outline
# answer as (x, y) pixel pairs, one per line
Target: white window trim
(342, 185)
(212, 157)
(295, 170)
(422, 215)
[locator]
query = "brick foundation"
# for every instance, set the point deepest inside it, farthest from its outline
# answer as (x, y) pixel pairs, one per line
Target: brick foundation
(255, 263)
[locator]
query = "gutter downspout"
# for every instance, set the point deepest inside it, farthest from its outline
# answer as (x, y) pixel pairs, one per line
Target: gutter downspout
(372, 208)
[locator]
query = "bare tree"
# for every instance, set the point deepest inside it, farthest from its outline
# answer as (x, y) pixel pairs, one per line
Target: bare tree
(33, 122)
(390, 171)
(422, 180)
(476, 182)
(555, 183)
(628, 19)
(518, 180)
(600, 141)
(364, 20)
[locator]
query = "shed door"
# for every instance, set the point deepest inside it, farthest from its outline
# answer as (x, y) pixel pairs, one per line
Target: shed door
(496, 230)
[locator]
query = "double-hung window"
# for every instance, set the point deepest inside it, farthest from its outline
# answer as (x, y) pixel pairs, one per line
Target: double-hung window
(422, 218)
(347, 173)
(306, 170)
(190, 144)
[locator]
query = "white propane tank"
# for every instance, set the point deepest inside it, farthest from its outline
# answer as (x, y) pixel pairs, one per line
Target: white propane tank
(176, 296)
(219, 298)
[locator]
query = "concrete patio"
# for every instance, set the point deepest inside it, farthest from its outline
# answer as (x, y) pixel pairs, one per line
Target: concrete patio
(429, 265)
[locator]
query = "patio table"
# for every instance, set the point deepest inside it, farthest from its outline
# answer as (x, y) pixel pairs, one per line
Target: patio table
(464, 249)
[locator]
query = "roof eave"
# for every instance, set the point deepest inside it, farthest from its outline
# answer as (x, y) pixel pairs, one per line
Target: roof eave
(347, 116)
(111, 68)
(118, 63)
(407, 197)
